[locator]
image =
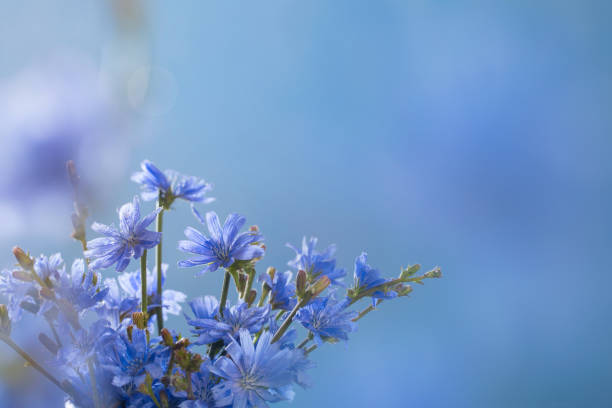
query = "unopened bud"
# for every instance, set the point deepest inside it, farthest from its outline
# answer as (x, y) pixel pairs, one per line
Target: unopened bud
(250, 297)
(300, 281)
(72, 173)
(435, 273)
(129, 330)
(254, 228)
(167, 337)
(242, 281)
(319, 286)
(5, 321)
(139, 320)
(24, 260)
(271, 271)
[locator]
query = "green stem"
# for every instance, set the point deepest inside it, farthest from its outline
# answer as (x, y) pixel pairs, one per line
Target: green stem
(287, 322)
(367, 310)
(226, 283)
(310, 349)
(305, 341)
(249, 284)
(158, 263)
(94, 386)
(143, 282)
(30, 360)
(264, 295)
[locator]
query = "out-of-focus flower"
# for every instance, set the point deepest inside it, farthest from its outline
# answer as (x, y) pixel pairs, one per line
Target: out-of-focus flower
(223, 247)
(48, 116)
(317, 264)
(129, 241)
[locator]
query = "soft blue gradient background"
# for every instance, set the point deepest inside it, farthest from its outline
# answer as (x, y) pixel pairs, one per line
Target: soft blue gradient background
(473, 135)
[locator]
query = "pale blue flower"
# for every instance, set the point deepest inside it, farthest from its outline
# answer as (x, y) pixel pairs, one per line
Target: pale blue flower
(368, 278)
(223, 247)
(129, 241)
(327, 319)
(254, 375)
(317, 264)
(171, 184)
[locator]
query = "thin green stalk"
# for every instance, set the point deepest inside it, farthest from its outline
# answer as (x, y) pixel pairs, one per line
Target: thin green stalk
(367, 310)
(249, 283)
(158, 263)
(94, 386)
(287, 322)
(310, 349)
(226, 283)
(30, 360)
(305, 341)
(143, 282)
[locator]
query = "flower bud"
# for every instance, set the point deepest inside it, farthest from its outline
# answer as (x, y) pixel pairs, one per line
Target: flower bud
(300, 282)
(435, 273)
(319, 286)
(139, 320)
(129, 330)
(254, 228)
(5, 321)
(250, 297)
(271, 271)
(24, 260)
(167, 337)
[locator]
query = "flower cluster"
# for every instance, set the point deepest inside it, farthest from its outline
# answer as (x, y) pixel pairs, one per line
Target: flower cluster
(107, 341)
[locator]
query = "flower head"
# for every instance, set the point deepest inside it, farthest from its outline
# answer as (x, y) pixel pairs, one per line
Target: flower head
(130, 356)
(129, 241)
(80, 289)
(170, 184)
(327, 319)
(315, 263)
(223, 247)
(210, 327)
(254, 374)
(282, 290)
(368, 279)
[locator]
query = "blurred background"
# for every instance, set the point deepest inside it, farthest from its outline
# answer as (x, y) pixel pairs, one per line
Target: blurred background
(474, 135)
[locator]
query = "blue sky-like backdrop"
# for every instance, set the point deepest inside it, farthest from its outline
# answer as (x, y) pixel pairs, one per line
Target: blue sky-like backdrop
(473, 135)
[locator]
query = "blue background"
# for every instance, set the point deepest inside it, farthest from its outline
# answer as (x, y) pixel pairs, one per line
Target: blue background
(472, 135)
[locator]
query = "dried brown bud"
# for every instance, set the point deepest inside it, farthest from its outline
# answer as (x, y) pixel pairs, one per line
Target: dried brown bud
(139, 320)
(300, 282)
(167, 337)
(319, 286)
(24, 259)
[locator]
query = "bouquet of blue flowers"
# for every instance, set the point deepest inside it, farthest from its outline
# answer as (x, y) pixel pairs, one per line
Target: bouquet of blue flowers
(106, 339)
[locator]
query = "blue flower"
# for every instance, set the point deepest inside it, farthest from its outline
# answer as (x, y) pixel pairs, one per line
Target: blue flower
(20, 293)
(79, 389)
(130, 359)
(171, 299)
(224, 246)
(48, 268)
(171, 184)
(368, 278)
(79, 289)
(209, 326)
(327, 319)
(78, 346)
(317, 263)
(129, 241)
(254, 374)
(282, 290)
(116, 305)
